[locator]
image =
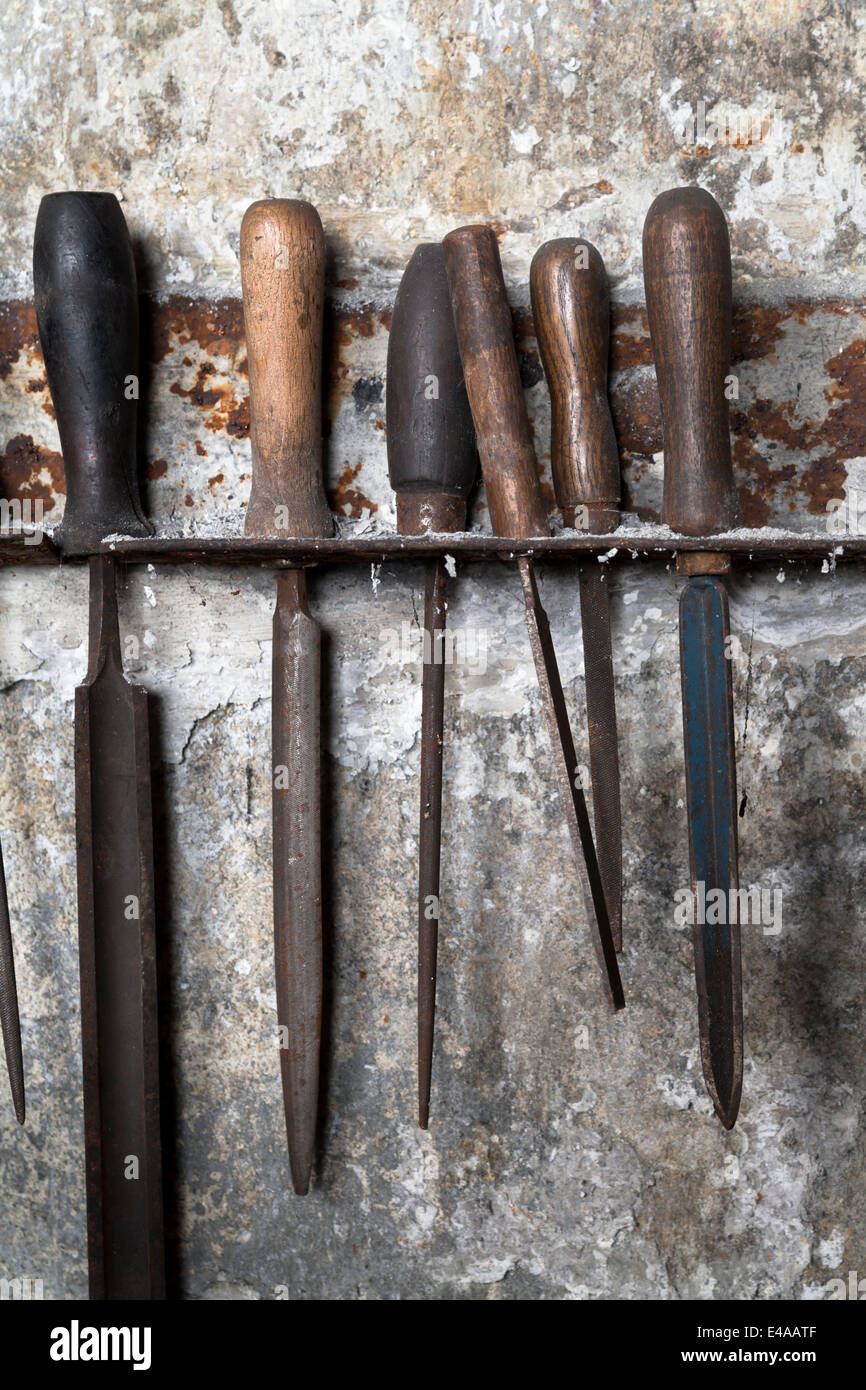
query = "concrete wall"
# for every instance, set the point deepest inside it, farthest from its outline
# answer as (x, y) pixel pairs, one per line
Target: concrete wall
(571, 1154)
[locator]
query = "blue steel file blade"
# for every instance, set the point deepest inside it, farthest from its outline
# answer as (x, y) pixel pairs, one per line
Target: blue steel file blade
(708, 730)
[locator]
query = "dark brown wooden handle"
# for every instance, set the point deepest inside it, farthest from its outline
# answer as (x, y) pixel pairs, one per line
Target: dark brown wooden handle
(687, 274)
(283, 280)
(571, 308)
(483, 322)
(432, 460)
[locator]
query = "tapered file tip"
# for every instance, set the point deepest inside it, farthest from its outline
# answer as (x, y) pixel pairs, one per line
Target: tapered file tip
(729, 1117)
(617, 993)
(300, 1167)
(423, 1117)
(723, 1072)
(727, 1107)
(16, 1087)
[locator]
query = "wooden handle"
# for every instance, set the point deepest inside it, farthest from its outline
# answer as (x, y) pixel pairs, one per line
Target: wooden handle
(687, 274)
(283, 280)
(486, 339)
(87, 312)
(432, 460)
(571, 308)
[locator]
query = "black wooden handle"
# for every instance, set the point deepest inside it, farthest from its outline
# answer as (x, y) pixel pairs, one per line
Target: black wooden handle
(87, 312)
(571, 309)
(432, 459)
(687, 274)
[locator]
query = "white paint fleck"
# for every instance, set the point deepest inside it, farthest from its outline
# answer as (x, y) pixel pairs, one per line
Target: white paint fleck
(524, 141)
(489, 1271)
(831, 1251)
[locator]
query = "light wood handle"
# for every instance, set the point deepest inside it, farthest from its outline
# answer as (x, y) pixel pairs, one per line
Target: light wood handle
(283, 278)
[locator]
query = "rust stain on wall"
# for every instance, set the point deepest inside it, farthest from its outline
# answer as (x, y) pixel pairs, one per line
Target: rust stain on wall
(637, 416)
(343, 328)
(17, 333)
(844, 433)
(784, 462)
(215, 326)
(357, 323)
(346, 499)
(812, 453)
(630, 341)
(24, 465)
(756, 332)
(217, 402)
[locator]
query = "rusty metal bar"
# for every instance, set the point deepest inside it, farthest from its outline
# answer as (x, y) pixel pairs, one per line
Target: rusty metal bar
(360, 550)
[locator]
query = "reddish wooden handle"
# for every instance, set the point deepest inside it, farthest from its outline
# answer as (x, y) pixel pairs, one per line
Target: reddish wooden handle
(571, 308)
(486, 339)
(283, 279)
(687, 274)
